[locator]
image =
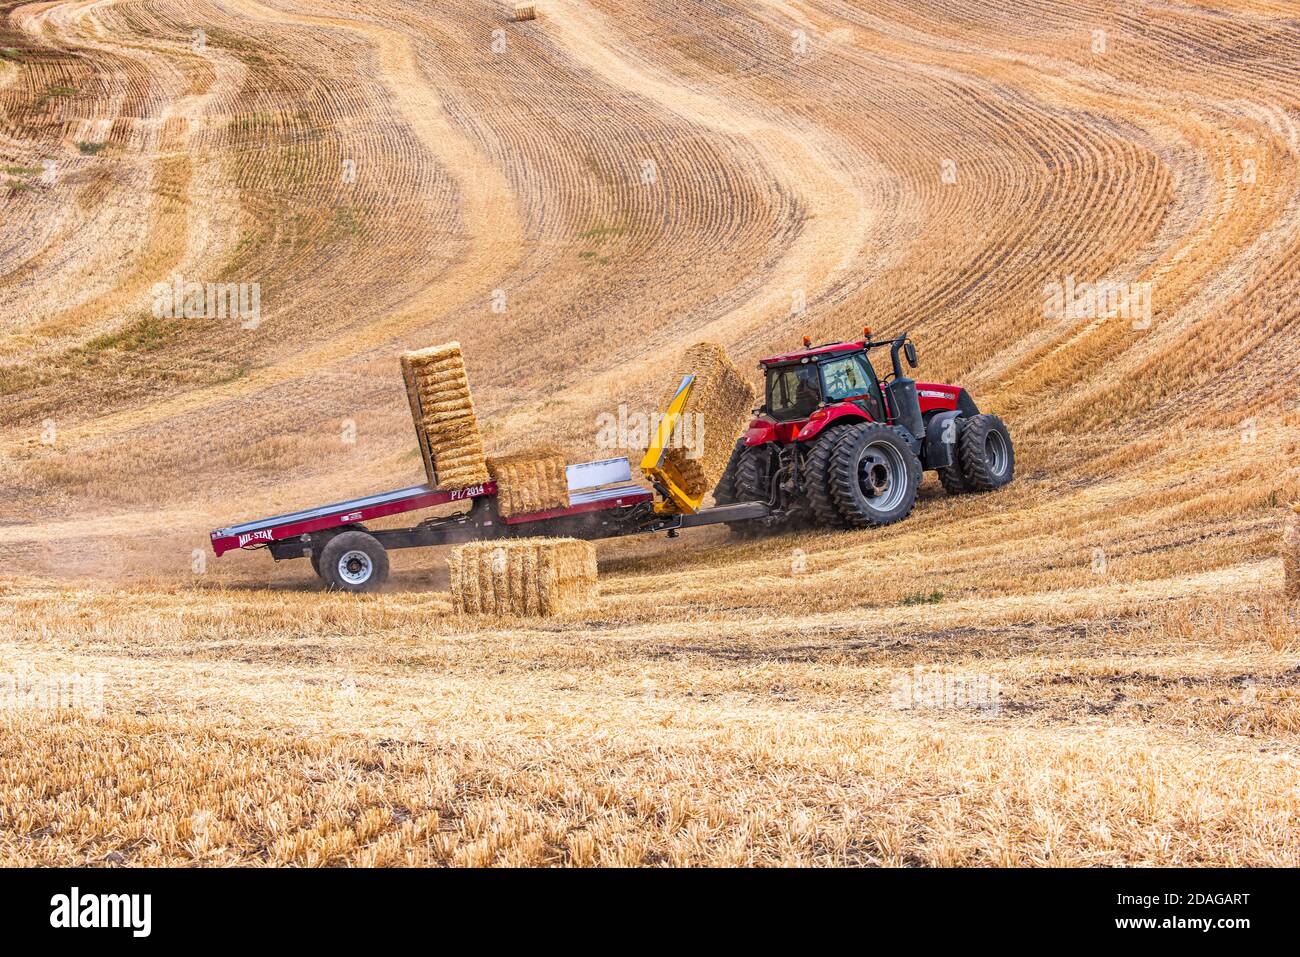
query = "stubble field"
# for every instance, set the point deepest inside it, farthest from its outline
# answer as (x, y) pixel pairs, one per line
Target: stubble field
(1095, 665)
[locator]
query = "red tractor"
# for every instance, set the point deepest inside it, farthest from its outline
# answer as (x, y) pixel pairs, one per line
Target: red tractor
(833, 445)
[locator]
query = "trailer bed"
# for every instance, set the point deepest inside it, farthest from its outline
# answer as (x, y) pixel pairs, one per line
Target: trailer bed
(615, 491)
(266, 530)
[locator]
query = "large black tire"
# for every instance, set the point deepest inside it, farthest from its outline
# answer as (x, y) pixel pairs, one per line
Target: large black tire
(874, 475)
(354, 561)
(752, 485)
(817, 488)
(321, 539)
(988, 460)
(950, 476)
(752, 479)
(724, 493)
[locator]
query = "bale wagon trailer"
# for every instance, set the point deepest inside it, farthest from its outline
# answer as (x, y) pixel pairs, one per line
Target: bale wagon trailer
(348, 556)
(831, 446)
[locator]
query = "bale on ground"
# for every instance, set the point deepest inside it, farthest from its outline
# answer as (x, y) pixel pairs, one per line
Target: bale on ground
(522, 576)
(443, 412)
(1291, 554)
(525, 11)
(533, 480)
(717, 409)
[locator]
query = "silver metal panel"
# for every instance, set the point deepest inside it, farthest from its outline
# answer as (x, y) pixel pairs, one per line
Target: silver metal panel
(593, 474)
(605, 494)
(349, 506)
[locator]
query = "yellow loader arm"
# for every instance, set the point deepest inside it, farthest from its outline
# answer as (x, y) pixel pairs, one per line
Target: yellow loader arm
(663, 473)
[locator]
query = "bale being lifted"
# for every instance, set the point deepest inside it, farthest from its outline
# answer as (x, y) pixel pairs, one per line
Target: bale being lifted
(522, 576)
(716, 410)
(443, 412)
(533, 480)
(1291, 554)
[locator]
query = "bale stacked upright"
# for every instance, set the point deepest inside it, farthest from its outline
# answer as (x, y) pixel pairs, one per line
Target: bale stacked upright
(523, 576)
(533, 480)
(1291, 553)
(443, 412)
(716, 411)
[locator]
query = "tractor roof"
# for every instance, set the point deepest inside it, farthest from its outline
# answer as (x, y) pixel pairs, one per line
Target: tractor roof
(813, 352)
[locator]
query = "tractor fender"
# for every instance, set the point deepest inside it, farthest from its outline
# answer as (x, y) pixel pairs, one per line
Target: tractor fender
(940, 448)
(760, 432)
(820, 419)
(938, 397)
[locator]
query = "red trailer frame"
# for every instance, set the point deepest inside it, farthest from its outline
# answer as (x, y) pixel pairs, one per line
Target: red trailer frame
(603, 503)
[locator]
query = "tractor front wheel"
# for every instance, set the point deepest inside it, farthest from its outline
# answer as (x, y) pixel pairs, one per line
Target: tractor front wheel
(874, 475)
(988, 460)
(950, 476)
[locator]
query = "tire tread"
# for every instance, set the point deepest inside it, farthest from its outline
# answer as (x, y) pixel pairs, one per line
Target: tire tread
(843, 475)
(973, 444)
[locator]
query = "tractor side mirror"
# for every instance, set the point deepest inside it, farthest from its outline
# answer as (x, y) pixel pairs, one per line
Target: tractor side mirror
(909, 350)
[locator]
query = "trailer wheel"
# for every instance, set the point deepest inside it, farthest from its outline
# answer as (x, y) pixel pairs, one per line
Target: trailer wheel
(321, 539)
(353, 561)
(874, 475)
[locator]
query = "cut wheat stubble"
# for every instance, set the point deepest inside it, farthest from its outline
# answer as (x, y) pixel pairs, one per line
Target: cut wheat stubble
(1291, 554)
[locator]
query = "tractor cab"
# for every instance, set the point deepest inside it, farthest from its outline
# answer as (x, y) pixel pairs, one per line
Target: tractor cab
(798, 387)
(822, 382)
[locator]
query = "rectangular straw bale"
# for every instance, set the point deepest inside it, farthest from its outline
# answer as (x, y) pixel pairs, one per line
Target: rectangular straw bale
(533, 480)
(442, 409)
(1291, 554)
(719, 405)
(522, 576)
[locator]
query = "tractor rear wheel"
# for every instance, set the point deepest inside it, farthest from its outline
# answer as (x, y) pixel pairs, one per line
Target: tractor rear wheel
(725, 491)
(988, 460)
(752, 485)
(874, 475)
(752, 479)
(950, 476)
(354, 561)
(817, 488)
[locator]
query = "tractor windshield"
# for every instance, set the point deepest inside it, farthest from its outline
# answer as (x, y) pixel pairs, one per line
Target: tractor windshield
(793, 392)
(846, 378)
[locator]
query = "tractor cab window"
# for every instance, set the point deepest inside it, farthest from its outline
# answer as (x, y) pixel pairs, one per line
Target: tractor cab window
(852, 378)
(844, 378)
(793, 392)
